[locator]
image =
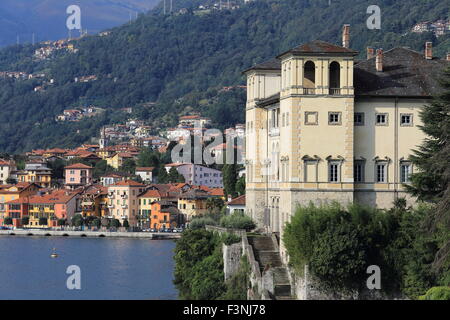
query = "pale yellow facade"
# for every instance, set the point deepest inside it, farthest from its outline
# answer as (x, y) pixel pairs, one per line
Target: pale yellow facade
(309, 138)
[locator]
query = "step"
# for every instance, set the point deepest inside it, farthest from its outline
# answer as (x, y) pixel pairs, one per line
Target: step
(265, 258)
(261, 243)
(280, 276)
(282, 290)
(284, 298)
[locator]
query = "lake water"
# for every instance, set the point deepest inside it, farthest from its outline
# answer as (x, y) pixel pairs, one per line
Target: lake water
(110, 268)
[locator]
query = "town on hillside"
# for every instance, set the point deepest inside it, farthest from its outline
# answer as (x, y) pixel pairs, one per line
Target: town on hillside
(126, 180)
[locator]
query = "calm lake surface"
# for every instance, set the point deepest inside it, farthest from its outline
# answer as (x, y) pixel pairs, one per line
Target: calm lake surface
(110, 268)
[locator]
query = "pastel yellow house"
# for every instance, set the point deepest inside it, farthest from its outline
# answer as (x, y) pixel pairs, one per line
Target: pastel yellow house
(192, 203)
(145, 205)
(323, 126)
(117, 159)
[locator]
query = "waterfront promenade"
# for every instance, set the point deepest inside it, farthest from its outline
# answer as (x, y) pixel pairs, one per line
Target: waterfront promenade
(92, 234)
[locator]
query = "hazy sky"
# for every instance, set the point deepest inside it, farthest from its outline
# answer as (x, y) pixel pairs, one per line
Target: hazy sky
(19, 19)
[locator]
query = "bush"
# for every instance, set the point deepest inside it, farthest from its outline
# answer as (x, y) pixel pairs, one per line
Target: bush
(43, 221)
(200, 223)
(62, 222)
(126, 224)
(339, 243)
(437, 293)
(115, 223)
(96, 222)
(25, 220)
(7, 221)
(237, 221)
(77, 220)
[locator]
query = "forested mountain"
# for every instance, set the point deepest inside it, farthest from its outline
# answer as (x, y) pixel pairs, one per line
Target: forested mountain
(181, 61)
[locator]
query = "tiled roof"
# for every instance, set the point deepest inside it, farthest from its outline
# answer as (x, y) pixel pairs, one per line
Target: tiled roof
(405, 73)
(129, 183)
(321, 47)
(59, 196)
(151, 193)
(239, 201)
(78, 166)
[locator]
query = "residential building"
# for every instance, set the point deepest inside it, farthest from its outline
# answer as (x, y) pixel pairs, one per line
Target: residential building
(146, 173)
(193, 203)
(36, 172)
(94, 201)
(112, 178)
(59, 204)
(164, 215)
(13, 192)
(236, 205)
(195, 174)
(7, 167)
(123, 201)
(322, 126)
(77, 175)
(145, 205)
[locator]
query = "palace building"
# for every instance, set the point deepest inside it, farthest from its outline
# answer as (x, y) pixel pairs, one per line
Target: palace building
(324, 126)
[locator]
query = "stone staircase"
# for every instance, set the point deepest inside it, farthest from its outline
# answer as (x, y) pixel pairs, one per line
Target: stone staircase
(268, 257)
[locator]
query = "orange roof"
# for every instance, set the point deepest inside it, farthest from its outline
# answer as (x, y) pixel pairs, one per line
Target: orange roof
(216, 192)
(189, 117)
(151, 193)
(144, 168)
(5, 163)
(78, 166)
(59, 196)
(129, 183)
(239, 201)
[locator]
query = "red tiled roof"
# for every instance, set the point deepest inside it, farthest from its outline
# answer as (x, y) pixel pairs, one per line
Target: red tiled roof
(239, 201)
(129, 183)
(152, 193)
(78, 166)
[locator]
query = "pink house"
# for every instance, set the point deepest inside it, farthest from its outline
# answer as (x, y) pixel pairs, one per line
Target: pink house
(78, 174)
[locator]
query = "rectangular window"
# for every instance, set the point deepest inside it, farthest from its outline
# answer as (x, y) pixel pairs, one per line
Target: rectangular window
(405, 172)
(311, 118)
(358, 171)
(359, 119)
(381, 119)
(334, 118)
(287, 119)
(406, 120)
(333, 172)
(381, 174)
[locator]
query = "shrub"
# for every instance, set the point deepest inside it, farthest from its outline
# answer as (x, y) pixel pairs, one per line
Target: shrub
(8, 220)
(115, 223)
(25, 220)
(199, 223)
(126, 224)
(237, 221)
(43, 221)
(339, 243)
(77, 220)
(437, 293)
(62, 222)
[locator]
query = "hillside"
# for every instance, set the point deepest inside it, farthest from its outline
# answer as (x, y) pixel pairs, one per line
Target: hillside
(181, 61)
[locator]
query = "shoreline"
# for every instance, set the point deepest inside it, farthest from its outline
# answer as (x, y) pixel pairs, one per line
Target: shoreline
(92, 234)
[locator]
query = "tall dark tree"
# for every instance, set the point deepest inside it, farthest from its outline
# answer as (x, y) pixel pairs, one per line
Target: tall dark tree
(229, 173)
(432, 181)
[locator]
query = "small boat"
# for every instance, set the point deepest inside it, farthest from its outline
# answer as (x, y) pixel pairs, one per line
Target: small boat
(54, 254)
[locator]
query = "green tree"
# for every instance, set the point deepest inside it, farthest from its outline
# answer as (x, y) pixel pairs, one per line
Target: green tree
(126, 224)
(240, 186)
(129, 166)
(432, 181)
(174, 176)
(115, 223)
(77, 220)
(43, 221)
(7, 221)
(25, 220)
(229, 173)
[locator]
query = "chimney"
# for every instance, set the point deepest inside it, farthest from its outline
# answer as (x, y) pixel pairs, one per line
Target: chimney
(370, 53)
(428, 50)
(346, 36)
(379, 60)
